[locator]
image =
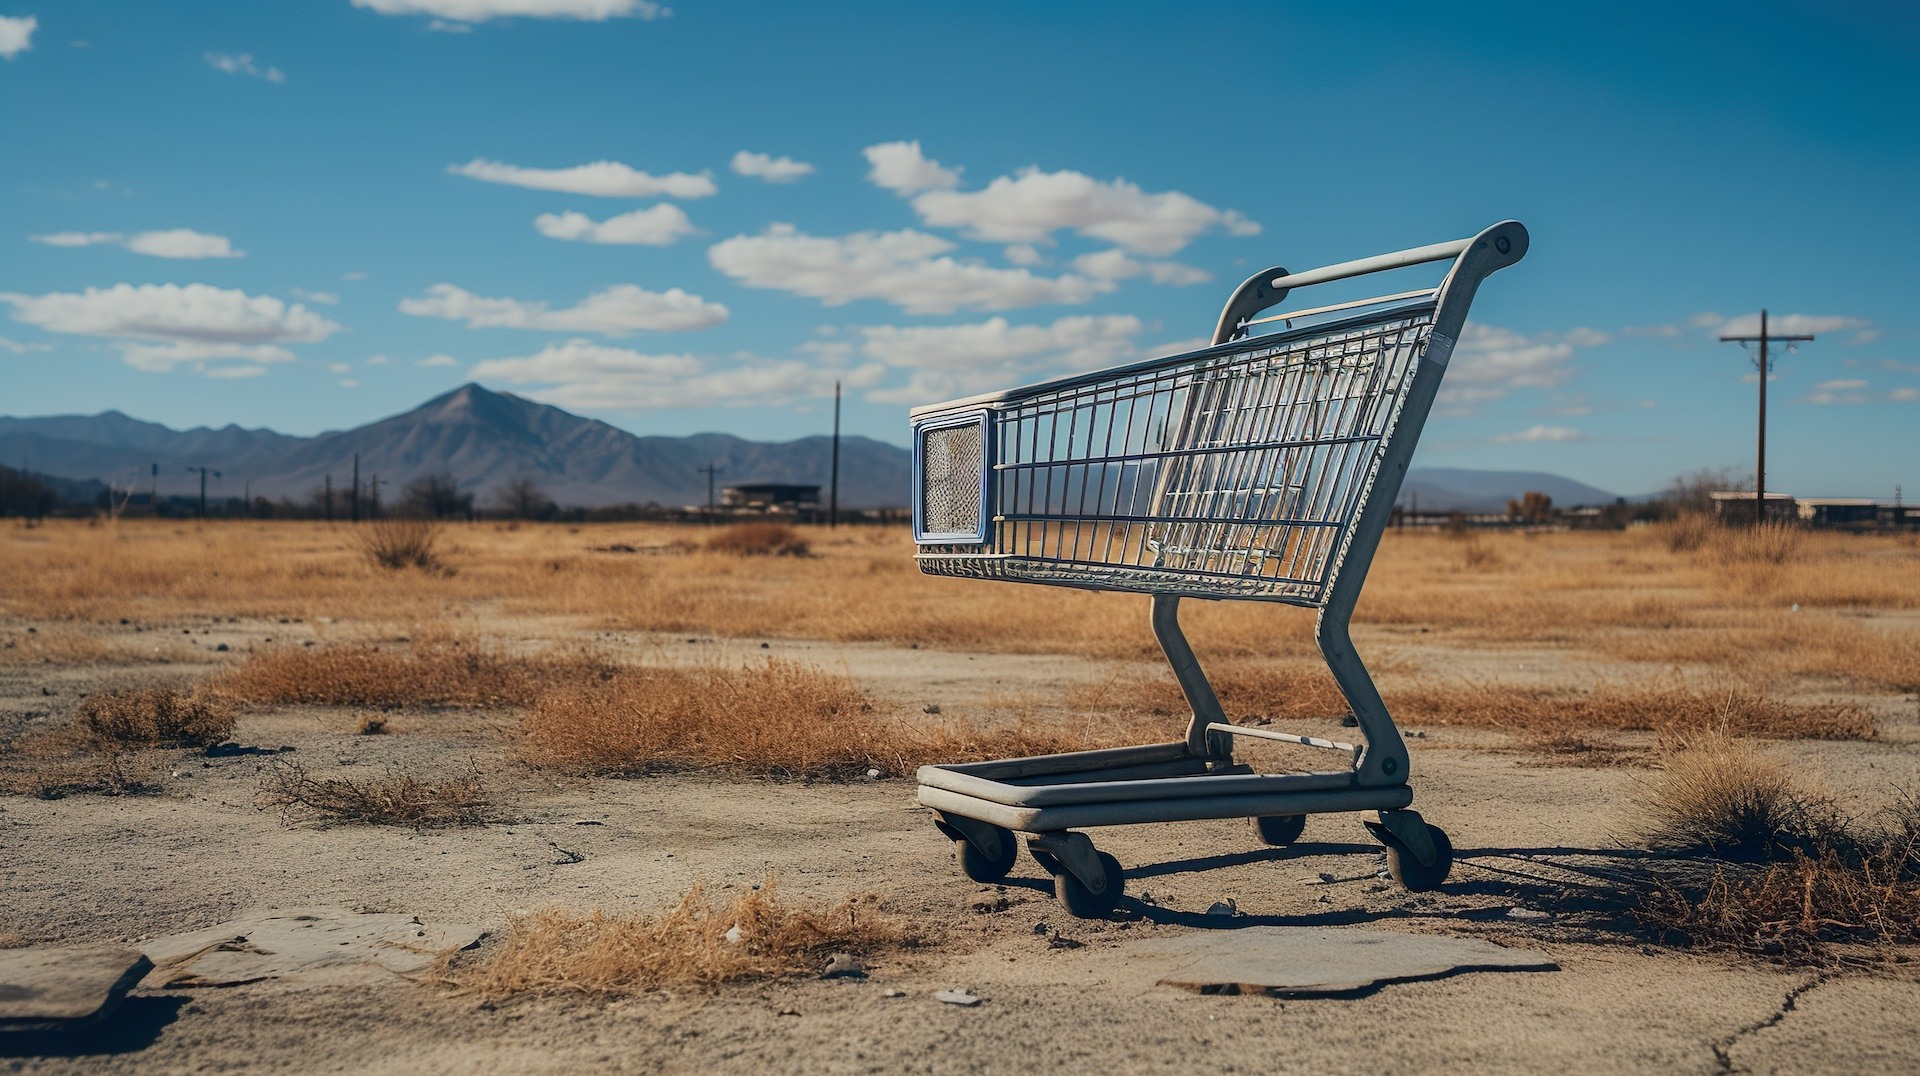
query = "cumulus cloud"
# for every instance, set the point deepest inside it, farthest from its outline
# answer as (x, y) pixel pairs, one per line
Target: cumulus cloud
(901, 168)
(1855, 390)
(16, 34)
(326, 298)
(235, 371)
(1116, 265)
(485, 10)
(1542, 434)
(623, 308)
(1906, 394)
(584, 374)
(907, 268)
(770, 168)
(1793, 324)
(602, 179)
(161, 326)
(1032, 205)
(655, 226)
(1024, 254)
(166, 243)
(1491, 362)
(242, 64)
(958, 360)
(438, 360)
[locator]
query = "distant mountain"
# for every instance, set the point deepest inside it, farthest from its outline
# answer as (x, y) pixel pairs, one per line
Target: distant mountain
(1454, 489)
(484, 439)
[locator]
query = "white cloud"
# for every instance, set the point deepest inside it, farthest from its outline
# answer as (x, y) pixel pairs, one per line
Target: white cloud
(376, 360)
(770, 168)
(442, 26)
(958, 360)
(324, 297)
(242, 64)
(1032, 205)
(438, 360)
(1904, 395)
(164, 325)
(339, 368)
(1024, 254)
(484, 10)
(235, 371)
(1705, 319)
(166, 243)
(1541, 434)
(349, 383)
(586, 375)
(901, 168)
(1491, 362)
(17, 348)
(1833, 386)
(602, 179)
(620, 309)
(906, 268)
(1116, 265)
(1866, 336)
(1584, 337)
(655, 226)
(1855, 391)
(16, 34)
(1795, 324)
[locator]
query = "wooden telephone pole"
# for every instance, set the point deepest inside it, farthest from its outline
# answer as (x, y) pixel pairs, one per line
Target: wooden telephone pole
(1765, 366)
(710, 470)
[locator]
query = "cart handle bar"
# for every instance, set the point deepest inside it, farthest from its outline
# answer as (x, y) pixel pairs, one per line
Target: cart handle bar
(1399, 259)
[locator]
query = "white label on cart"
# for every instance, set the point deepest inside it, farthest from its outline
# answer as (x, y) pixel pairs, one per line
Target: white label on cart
(1439, 349)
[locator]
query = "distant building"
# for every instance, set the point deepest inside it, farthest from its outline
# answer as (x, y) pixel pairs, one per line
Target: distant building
(1833, 511)
(1736, 506)
(771, 497)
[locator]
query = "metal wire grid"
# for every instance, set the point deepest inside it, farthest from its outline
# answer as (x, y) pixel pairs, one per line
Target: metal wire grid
(1222, 475)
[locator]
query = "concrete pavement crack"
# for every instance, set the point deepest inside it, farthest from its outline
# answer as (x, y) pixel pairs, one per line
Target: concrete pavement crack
(1723, 1049)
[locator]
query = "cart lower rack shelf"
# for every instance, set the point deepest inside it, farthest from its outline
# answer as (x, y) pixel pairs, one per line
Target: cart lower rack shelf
(1263, 468)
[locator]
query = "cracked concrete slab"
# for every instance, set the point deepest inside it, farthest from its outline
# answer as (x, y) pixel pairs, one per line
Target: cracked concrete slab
(311, 946)
(1320, 961)
(57, 989)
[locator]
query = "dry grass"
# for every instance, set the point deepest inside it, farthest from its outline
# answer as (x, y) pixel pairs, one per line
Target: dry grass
(556, 952)
(1247, 690)
(401, 542)
(396, 798)
(428, 671)
(156, 717)
(1805, 884)
(758, 539)
(1661, 706)
(60, 765)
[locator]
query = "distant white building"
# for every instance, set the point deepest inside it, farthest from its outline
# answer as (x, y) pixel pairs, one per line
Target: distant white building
(1737, 505)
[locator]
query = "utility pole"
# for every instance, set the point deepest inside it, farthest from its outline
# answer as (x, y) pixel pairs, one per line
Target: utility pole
(204, 471)
(710, 470)
(833, 496)
(355, 510)
(1760, 448)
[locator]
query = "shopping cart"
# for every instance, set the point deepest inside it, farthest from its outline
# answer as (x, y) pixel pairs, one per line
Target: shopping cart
(1265, 468)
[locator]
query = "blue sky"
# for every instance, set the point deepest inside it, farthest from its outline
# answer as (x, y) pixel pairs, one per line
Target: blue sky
(310, 215)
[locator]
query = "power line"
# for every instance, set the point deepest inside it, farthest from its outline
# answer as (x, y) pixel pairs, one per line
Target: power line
(1766, 367)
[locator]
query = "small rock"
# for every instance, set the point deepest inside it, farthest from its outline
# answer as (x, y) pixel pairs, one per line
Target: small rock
(764, 646)
(588, 822)
(844, 966)
(1349, 722)
(930, 708)
(893, 993)
(1061, 941)
(789, 1010)
(1223, 907)
(956, 997)
(733, 935)
(873, 774)
(1040, 927)
(1527, 913)
(222, 648)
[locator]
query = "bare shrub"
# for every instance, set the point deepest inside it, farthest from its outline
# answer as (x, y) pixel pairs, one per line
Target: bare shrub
(401, 542)
(1688, 531)
(1773, 542)
(431, 671)
(156, 717)
(370, 724)
(758, 539)
(1821, 909)
(397, 798)
(1479, 554)
(1721, 795)
(556, 952)
(57, 766)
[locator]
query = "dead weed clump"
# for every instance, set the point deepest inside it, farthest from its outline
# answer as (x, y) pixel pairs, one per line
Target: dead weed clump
(1794, 878)
(396, 798)
(156, 717)
(696, 944)
(428, 672)
(774, 718)
(401, 542)
(1546, 712)
(759, 539)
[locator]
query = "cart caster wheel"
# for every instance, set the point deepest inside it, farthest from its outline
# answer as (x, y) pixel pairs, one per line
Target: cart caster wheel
(1280, 830)
(1406, 868)
(1084, 903)
(1046, 860)
(975, 864)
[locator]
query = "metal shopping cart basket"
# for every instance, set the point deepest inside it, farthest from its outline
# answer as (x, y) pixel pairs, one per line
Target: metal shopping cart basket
(1263, 468)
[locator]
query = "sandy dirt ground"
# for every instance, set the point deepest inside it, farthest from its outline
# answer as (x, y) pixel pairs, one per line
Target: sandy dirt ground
(92, 868)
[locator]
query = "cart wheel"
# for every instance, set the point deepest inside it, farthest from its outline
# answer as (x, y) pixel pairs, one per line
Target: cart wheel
(978, 867)
(1280, 830)
(1406, 868)
(1084, 903)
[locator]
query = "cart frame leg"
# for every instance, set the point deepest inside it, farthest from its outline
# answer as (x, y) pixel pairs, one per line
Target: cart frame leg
(1075, 852)
(1406, 827)
(982, 835)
